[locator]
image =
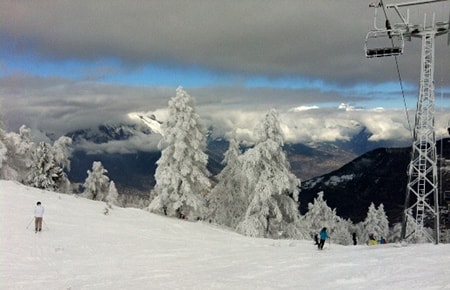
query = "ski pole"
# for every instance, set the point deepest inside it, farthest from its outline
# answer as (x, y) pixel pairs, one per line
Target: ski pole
(30, 222)
(45, 224)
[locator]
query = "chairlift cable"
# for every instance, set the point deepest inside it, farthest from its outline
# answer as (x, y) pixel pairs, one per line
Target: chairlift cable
(398, 73)
(404, 99)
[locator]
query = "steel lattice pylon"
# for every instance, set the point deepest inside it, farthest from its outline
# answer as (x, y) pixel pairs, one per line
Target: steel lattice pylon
(422, 197)
(422, 171)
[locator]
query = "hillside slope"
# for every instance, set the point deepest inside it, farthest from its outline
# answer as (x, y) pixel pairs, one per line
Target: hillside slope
(82, 248)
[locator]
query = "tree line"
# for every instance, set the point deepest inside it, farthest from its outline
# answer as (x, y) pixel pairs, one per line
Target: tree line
(255, 194)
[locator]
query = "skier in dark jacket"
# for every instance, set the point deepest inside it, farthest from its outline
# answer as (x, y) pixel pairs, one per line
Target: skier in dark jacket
(323, 237)
(316, 239)
(354, 239)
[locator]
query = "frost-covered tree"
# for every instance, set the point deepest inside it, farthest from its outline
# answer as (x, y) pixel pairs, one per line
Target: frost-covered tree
(62, 151)
(113, 196)
(181, 176)
(410, 234)
(383, 224)
(395, 233)
(3, 151)
(97, 183)
(272, 189)
(320, 215)
(19, 155)
(341, 232)
(376, 223)
(227, 203)
(23, 161)
(370, 224)
(45, 172)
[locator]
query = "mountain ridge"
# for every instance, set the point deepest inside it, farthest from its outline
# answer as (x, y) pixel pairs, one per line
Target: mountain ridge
(350, 181)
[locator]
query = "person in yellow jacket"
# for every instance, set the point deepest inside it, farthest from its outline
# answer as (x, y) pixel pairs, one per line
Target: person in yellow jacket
(372, 240)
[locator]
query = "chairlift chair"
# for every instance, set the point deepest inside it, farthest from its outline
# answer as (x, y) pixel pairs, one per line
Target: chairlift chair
(381, 43)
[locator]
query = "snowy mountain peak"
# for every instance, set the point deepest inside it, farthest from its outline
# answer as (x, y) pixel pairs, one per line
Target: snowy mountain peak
(149, 120)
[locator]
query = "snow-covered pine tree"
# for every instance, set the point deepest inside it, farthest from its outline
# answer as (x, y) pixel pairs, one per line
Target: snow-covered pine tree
(376, 223)
(341, 232)
(395, 233)
(271, 188)
(97, 183)
(62, 151)
(227, 204)
(383, 224)
(320, 215)
(3, 151)
(112, 198)
(181, 176)
(19, 155)
(45, 173)
(3, 148)
(370, 224)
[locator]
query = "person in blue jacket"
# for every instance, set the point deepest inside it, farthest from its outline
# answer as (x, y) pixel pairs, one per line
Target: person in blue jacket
(323, 237)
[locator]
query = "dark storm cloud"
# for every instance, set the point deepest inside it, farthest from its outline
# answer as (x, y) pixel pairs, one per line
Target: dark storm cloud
(59, 106)
(318, 39)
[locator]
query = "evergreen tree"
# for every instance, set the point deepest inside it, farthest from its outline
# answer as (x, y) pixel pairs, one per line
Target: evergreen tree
(227, 204)
(411, 237)
(45, 173)
(19, 154)
(63, 151)
(97, 183)
(112, 198)
(320, 215)
(395, 235)
(341, 231)
(383, 224)
(271, 188)
(370, 224)
(3, 149)
(3, 156)
(376, 223)
(181, 176)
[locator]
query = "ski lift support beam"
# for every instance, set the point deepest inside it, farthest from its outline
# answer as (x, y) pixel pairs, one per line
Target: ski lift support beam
(407, 4)
(422, 170)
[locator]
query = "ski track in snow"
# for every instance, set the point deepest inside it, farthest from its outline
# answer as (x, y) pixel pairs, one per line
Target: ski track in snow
(81, 248)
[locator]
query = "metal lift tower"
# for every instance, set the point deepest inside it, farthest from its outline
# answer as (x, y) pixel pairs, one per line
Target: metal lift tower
(422, 200)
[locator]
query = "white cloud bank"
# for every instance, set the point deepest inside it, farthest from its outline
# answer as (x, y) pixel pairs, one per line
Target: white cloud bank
(59, 106)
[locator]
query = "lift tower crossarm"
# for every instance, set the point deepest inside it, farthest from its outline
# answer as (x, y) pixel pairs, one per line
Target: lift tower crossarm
(412, 3)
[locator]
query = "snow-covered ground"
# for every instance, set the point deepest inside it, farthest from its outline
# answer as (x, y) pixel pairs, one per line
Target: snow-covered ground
(82, 248)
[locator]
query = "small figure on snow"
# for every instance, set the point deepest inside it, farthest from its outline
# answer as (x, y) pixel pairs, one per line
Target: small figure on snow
(38, 215)
(354, 239)
(316, 239)
(323, 237)
(382, 241)
(372, 240)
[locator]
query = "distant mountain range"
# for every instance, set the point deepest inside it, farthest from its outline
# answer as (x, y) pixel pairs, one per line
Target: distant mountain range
(134, 169)
(352, 174)
(378, 176)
